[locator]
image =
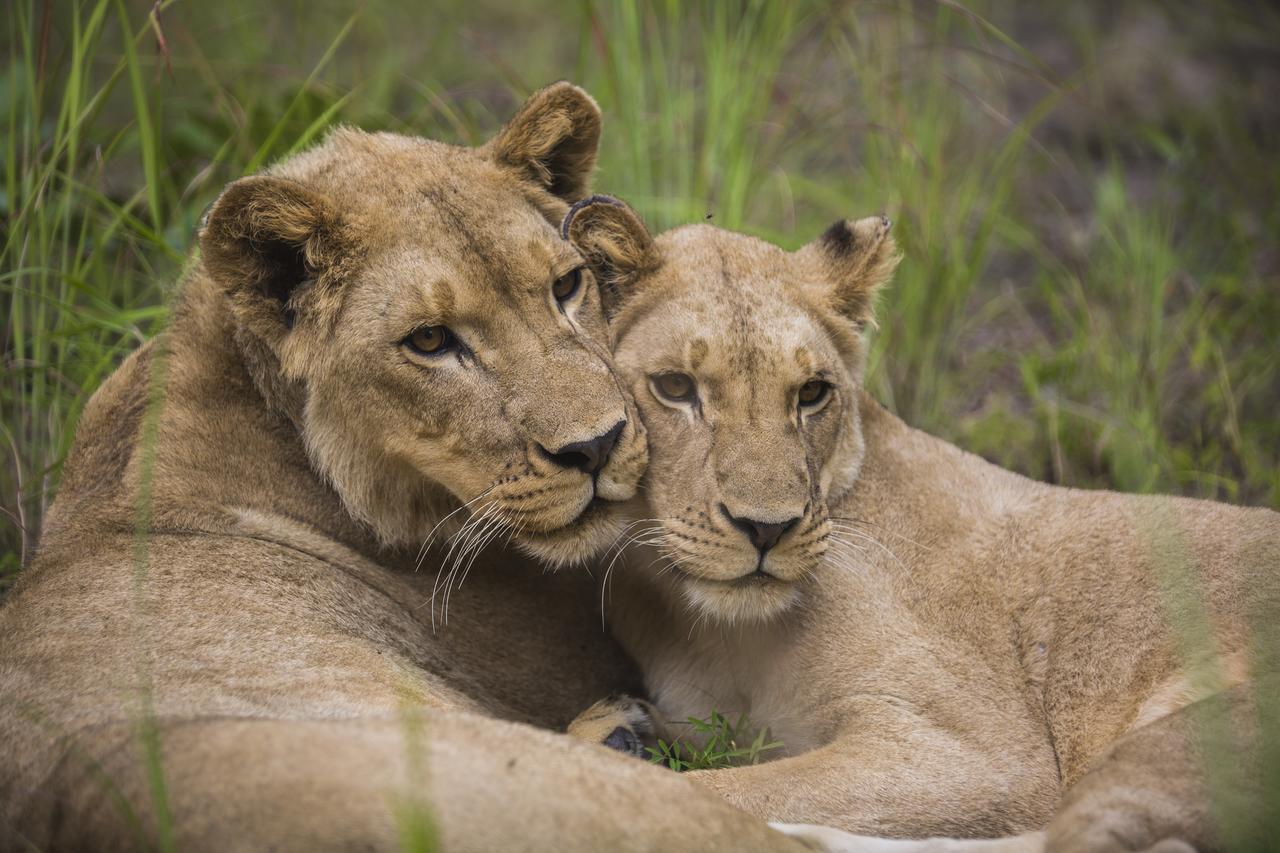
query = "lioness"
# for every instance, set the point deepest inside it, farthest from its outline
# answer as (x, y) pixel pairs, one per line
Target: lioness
(224, 643)
(943, 647)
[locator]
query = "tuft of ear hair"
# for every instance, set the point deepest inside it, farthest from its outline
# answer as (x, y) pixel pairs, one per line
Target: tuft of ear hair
(264, 240)
(853, 260)
(552, 140)
(615, 244)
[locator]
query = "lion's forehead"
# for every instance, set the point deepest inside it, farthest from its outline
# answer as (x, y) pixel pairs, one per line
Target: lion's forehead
(741, 345)
(500, 313)
(730, 310)
(752, 318)
(407, 188)
(452, 258)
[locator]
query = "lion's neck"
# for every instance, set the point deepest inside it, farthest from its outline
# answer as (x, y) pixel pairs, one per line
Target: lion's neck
(183, 425)
(906, 529)
(693, 667)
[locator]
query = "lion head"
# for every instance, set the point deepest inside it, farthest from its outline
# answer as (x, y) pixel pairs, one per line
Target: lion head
(411, 306)
(744, 360)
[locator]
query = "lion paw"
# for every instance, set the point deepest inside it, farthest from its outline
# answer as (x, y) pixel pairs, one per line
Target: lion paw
(622, 723)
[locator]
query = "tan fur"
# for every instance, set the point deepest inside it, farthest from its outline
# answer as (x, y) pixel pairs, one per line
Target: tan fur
(245, 571)
(950, 649)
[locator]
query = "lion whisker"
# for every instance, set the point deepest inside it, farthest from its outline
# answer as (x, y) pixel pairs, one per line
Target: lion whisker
(467, 530)
(464, 533)
(513, 531)
(483, 541)
(426, 543)
(495, 529)
(715, 543)
(703, 616)
(853, 531)
(469, 551)
(882, 528)
(842, 561)
(604, 583)
(624, 532)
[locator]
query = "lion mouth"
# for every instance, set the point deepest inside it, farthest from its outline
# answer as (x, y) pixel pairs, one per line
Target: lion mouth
(756, 578)
(587, 535)
(752, 596)
(594, 509)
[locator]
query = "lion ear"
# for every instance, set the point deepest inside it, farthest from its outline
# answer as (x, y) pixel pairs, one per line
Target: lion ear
(615, 243)
(851, 261)
(552, 140)
(268, 241)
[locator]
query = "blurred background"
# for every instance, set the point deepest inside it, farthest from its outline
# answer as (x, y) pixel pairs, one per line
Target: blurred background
(1085, 192)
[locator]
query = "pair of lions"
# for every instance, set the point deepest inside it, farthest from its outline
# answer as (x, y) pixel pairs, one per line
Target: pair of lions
(226, 643)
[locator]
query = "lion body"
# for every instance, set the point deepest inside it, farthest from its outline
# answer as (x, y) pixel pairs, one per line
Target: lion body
(284, 671)
(234, 636)
(974, 653)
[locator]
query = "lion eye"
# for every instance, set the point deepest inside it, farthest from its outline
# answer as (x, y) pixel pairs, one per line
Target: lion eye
(567, 286)
(429, 340)
(813, 393)
(675, 387)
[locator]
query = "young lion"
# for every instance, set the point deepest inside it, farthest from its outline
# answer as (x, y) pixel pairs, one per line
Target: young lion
(945, 648)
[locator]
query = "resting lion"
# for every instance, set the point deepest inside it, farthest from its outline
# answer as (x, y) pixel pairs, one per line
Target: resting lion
(225, 642)
(944, 648)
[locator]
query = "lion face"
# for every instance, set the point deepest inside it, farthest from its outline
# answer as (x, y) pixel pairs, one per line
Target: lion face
(436, 341)
(744, 361)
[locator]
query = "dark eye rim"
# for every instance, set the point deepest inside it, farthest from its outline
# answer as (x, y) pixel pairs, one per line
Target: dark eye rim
(449, 345)
(576, 275)
(818, 401)
(655, 382)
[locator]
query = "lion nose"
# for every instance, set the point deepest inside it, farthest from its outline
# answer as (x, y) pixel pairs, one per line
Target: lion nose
(763, 534)
(587, 456)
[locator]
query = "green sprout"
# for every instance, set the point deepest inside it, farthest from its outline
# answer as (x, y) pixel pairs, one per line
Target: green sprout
(724, 744)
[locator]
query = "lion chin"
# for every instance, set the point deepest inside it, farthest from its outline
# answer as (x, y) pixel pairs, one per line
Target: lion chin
(597, 527)
(751, 599)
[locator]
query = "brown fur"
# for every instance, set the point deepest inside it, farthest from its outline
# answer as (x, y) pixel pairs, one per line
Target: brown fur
(957, 647)
(236, 570)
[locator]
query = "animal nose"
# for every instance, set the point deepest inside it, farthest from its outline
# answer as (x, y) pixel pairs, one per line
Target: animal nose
(763, 534)
(587, 456)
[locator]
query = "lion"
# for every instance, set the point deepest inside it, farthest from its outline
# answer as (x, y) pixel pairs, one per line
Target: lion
(225, 641)
(944, 648)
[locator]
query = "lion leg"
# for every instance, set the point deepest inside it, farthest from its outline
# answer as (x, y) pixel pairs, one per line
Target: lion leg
(620, 722)
(1190, 777)
(1148, 793)
(837, 841)
(853, 784)
(921, 782)
(445, 780)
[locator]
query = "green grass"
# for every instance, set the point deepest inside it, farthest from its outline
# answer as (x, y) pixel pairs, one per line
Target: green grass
(415, 821)
(714, 743)
(1089, 293)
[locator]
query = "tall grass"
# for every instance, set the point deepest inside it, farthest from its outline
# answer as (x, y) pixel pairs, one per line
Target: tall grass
(79, 271)
(1089, 289)
(1089, 341)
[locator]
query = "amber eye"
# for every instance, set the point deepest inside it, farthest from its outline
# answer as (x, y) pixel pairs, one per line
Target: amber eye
(566, 286)
(813, 393)
(429, 340)
(675, 387)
